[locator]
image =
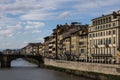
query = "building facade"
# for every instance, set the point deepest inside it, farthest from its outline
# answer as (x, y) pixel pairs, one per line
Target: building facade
(50, 46)
(104, 39)
(33, 49)
(11, 51)
(65, 40)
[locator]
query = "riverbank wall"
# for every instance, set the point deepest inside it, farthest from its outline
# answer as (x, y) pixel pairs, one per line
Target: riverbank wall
(93, 70)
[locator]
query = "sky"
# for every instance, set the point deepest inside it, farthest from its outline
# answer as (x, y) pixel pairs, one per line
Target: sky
(29, 21)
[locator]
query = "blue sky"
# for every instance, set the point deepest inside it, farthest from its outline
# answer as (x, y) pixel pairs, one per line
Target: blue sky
(24, 21)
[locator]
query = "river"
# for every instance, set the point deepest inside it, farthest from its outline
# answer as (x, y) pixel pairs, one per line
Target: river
(23, 70)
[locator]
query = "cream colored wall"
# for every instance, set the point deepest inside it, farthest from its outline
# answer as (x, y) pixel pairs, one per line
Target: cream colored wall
(90, 67)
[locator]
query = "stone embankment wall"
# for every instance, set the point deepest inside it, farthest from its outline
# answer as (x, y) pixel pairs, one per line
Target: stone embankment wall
(113, 69)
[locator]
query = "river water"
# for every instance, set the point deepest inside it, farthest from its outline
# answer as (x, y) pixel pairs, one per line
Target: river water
(23, 70)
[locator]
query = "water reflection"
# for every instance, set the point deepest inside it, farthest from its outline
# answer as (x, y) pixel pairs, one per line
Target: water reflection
(30, 72)
(21, 63)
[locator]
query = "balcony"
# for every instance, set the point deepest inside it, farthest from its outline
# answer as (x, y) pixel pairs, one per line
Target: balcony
(101, 55)
(95, 46)
(50, 45)
(107, 45)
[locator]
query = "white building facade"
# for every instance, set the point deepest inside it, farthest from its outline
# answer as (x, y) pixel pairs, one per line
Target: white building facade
(104, 39)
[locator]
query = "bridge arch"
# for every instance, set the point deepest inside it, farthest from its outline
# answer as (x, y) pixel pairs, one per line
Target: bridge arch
(6, 59)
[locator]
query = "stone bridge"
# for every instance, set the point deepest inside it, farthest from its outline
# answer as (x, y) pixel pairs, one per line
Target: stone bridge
(6, 59)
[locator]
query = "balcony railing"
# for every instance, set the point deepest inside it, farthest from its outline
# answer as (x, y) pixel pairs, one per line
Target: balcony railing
(102, 55)
(106, 45)
(95, 45)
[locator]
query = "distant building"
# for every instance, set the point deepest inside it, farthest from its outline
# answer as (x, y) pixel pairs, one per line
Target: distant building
(23, 50)
(33, 49)
(7, 51)
(11, 51)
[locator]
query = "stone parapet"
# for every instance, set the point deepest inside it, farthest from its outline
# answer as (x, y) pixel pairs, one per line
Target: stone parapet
(113, 69)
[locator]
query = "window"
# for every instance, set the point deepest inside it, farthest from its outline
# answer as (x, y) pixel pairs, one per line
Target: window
(113, 31)
(106, 26)
(50, 51)
(114, 51)
(72, 46)
(113, 40)
(113, 24)
(103, 20)
(98, 41)
(109, 19)
(53, 49)
(96, 34)
(109, 32)
(93, 35)
(95, 28)
(89, 35)
(104, 41)
(109, 40)
(101, 34)
(114, 16)
(98, 22)
(109, 25)
(81, 43)
(98, 28)
(101, 42)
(110, 50)
(103, 26)
(82, 51)
(93, 23)
(106, 32)
(106, 20)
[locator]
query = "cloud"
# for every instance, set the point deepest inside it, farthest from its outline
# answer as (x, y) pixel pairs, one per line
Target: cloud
(90, 5)
(16, 27)
(20, 5)
(36, 31)
(28, 17)
(38, 15)
(6, 33)
(34, 25)
(64, 15)
(9, 31)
